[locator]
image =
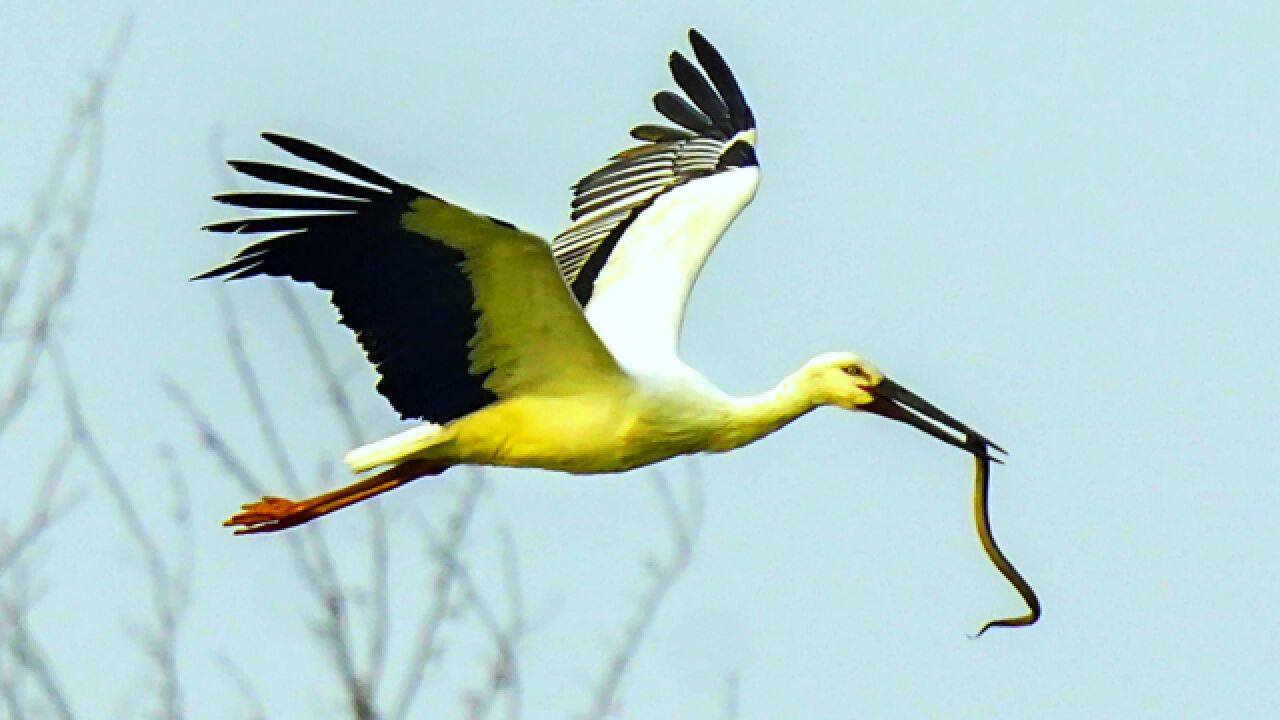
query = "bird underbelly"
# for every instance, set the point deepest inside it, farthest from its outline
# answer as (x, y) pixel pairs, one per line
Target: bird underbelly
(614, 451)
(564, 434)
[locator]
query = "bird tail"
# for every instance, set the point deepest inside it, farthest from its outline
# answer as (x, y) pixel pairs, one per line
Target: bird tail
(392, 449)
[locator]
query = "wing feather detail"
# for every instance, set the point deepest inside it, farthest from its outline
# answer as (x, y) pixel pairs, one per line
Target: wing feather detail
(716, 133)
(454, 309)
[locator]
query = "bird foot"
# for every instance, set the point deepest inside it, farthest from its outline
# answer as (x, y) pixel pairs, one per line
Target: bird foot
(271, 514)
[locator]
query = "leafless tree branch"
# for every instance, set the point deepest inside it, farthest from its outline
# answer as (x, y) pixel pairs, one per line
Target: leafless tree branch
(684, 525)
(82, 139)
(169, 580)
(243, 685)
(253, 391)
(53, 235)
(503, 677)
(42, 514)
(29, 658)
(445, 553)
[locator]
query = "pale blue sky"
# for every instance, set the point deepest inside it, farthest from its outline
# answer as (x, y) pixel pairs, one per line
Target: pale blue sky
(1060, 223)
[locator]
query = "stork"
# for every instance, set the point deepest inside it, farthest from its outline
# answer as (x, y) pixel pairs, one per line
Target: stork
(513, 351)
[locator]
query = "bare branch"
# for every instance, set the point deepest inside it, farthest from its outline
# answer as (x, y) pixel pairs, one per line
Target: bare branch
(213, 441)
(684, 526)
(245, 687)
(337, 395)
(505, 674)
(360, 690)
(85, 121)
(253, 391)
(169, 587)
(57, 228)
(86, 439)
(446, 556)
(86, 133)
(380, 582)
(170, 595)
(43, 513)
(312, 559)
(503, 677)
(28, 656)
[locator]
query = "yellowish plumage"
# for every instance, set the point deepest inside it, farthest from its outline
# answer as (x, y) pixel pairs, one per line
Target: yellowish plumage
(624, 424)
(525, 355)
(530, 328)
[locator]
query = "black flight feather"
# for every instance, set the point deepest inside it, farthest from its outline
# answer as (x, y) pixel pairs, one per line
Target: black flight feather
(287, 201)
(404, 295)
(274, 223)
(718, 70)
(695, 85)
(303, 179)
(679, 111)
(330, 159)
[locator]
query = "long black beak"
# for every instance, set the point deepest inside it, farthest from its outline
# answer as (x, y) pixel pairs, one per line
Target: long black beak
(896, 402)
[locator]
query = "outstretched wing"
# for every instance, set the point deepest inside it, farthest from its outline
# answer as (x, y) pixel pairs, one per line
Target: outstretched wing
(645, 222)
(454, 309)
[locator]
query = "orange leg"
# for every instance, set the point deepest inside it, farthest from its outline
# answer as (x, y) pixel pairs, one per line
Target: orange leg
(275, 513)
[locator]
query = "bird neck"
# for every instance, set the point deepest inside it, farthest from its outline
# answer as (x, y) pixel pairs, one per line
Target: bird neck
(754, 417)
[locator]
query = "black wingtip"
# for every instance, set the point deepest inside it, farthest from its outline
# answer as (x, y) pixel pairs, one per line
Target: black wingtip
(312, 152)
(206, 275)
(713, 63)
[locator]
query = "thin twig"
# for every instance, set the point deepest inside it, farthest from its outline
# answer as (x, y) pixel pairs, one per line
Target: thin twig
(44, 512)
(213, 441)
(87, 114)
(380, 610)
(446, 554)
(340, 402)
(314, 563)
(30, 658)
(171, 598)
(516, 624)
(88, 441)
(169, 587)
(68, 251)
(334, 390)
(253, 391)
(64, 191)
(684, 527)
(243, 685)
(503, 670)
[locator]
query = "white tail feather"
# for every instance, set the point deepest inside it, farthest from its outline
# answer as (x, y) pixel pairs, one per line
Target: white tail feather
(388, 450)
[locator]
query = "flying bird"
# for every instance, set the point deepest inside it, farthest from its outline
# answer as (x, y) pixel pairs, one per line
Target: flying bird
(513, 351)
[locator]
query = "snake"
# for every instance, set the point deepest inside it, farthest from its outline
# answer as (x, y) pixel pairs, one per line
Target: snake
(982, 517)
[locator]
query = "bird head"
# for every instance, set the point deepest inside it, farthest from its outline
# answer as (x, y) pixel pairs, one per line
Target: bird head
(847, 381)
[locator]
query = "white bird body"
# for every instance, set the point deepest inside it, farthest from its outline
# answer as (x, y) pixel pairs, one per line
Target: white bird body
(518, 353)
